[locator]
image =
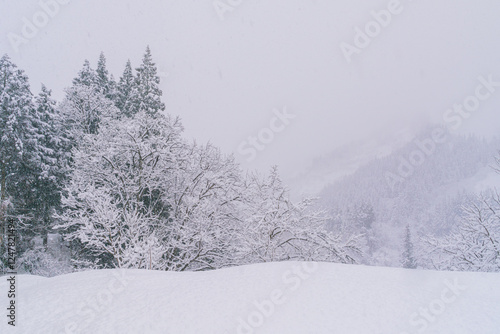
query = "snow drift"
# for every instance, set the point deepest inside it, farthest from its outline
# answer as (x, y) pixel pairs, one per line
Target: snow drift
(285, 297)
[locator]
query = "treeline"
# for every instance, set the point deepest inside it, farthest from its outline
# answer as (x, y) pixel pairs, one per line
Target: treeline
(107, 172)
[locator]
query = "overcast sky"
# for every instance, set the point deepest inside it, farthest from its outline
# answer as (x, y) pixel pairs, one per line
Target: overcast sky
(227, 74)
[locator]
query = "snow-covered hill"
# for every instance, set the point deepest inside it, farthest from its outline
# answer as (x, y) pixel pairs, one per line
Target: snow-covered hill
(286, 297)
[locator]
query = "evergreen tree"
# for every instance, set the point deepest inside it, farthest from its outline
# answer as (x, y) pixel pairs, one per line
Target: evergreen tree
(31, 164)
(53, 162)
(112, 89)
(102, 74)
(86, 76)
(408, 260)
(366, 216)
(16, 137)
(124, 89)
(146, 93)
(105, 82)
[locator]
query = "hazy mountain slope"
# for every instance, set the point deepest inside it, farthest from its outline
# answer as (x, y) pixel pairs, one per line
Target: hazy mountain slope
(345, 160)
(427, 196)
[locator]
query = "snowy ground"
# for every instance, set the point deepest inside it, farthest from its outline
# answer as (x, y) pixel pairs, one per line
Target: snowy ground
(287, 297)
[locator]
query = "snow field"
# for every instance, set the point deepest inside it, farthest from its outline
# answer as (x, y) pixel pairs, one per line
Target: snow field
(285, 297)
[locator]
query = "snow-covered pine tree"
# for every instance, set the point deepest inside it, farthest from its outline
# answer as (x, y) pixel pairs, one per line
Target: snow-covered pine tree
(52, 162)
(104, 81)
(10, 140)
(33, 160)
(366, 216)
(90, 99)
(102, 74)
(18, 142)
(112, 89)
(86, 76)
(146, 93)
(408, 260)
(124, 90)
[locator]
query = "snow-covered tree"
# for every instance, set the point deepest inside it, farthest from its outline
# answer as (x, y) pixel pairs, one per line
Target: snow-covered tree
(276, 229)
(142, 197)
(86, 76)
(124, 89)
(104, 81)
(15, 105)
(475, 244)
(356, 219)
(205, 198)
(115, 204)
(146, 93)
(43, 261)
(408, 260)
(102, 74)
(366, 216)
(20, 149)
(52, 162)
(34, 155)
(84, 109)
(112, 89)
